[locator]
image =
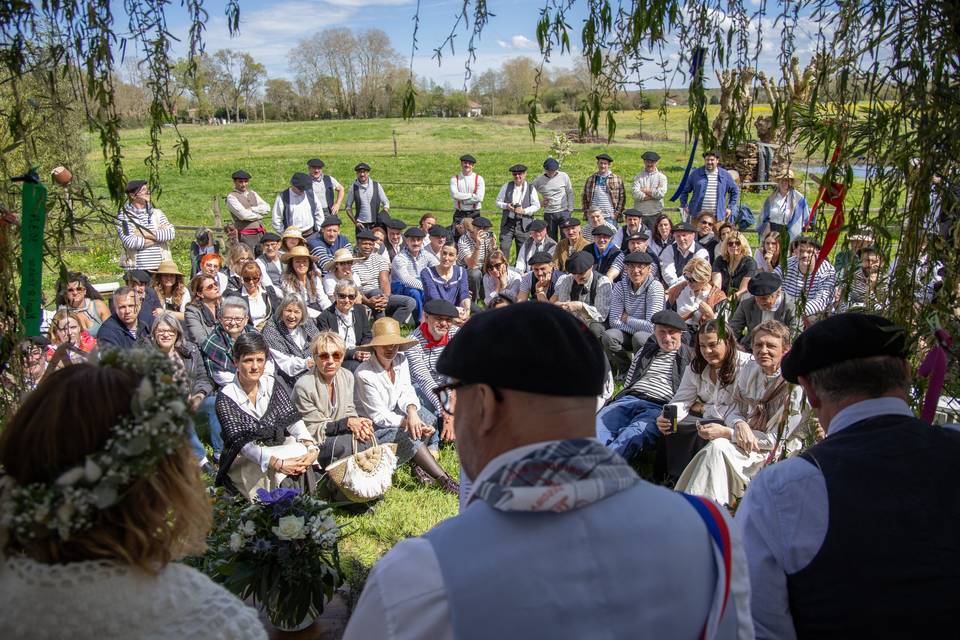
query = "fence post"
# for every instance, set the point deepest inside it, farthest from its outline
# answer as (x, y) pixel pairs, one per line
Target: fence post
(217, 220)
(394, 143)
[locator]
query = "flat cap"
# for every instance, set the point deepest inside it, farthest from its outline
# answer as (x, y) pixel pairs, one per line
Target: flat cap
(566, 223)
(270, 237)
(316, 163)
(134, 185)
(468, 158)
(331, 221)
(669, 318)
(764, 283)
(396, 224)
(604, 156)
(684, 227)
(137, 275)
(414, 232)
(579, 262)
(482, 223)
(439, 231)
(652, 156)
(846, 336)
(301, 181)
(540, 257)
(366, 234)
(638, 235)
(568, 362)
(537, 225)
(240, 175)
(602, 230)
(551, 164)
(632, 213)
(518, 168)
(362, 166)
(441, 307)
(638, 257)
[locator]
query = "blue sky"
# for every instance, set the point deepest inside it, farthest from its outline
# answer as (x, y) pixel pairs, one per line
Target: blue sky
(270, 28)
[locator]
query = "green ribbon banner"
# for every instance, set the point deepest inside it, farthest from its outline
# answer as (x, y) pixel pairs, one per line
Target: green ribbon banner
(31, 243)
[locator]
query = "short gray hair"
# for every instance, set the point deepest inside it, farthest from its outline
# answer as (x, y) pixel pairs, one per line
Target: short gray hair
(171, 321)
(121, 292)
(234, 302)
(289, 299)
(871, 377)
(343, 285)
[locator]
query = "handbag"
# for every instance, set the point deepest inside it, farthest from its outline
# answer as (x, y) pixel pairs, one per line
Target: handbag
(365, 475)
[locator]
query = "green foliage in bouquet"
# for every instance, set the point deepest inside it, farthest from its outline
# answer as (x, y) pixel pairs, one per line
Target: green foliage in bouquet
(281, 551)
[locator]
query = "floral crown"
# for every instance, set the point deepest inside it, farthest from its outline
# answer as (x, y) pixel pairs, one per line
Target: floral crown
(155, 428)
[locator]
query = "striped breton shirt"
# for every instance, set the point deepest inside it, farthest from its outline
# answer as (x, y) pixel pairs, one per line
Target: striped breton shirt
(406, 268)
(619, 263)
(423, 366)
(640, 305)
(465, 246)
(370, 269)
(656, 383)
(819, 293)
(710, 195)
(132, 222)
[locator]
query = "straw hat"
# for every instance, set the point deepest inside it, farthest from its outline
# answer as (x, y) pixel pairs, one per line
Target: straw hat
(340, 256)
(293, 232)
(298, 251)
(168, 268)
(786, 174)
(386, 332)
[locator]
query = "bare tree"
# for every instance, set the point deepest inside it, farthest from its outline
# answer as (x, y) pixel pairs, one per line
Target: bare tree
(238, 76)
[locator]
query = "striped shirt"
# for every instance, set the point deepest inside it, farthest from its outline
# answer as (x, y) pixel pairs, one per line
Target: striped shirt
(406, 268)
(595, 310)
(423, 366)
(819, 294)
(640, 305)
(132, 222)
(370, 269)
(601, 199)
(466, 245)
(710, 195)
(657, 382)
(618, 264)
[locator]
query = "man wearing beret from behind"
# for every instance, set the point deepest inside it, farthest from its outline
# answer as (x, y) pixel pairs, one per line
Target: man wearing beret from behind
(559, 538)
(859, 536)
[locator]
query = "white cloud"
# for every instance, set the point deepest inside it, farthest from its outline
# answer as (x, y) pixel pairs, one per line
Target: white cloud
(517, 42)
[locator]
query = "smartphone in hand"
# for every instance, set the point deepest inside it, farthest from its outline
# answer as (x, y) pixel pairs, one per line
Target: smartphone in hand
(670, 413)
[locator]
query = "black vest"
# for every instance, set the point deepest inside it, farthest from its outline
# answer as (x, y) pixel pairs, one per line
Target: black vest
(679, 262)
(285, 198)
(577, 290)
(328, 192)
(524, 202)
(374, 201)
(889, 566)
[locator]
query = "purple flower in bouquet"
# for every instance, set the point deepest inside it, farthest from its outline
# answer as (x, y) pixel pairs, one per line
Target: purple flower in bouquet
(277, 495)
(261, 545)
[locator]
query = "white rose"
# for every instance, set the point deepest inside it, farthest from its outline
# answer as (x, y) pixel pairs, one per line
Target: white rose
(289, 528)
(236, 541)
(70, 477)
(144, 391)
(249, 528)
(92, 471)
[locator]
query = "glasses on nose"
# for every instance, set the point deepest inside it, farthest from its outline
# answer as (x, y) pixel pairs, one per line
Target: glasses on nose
(164, 332)
(250, 280)
(211, 286)
(346, 296)
(445, 394)
(233, 320)
(324, 356)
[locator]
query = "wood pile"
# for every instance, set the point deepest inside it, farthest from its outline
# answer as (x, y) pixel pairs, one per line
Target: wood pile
(744, 161)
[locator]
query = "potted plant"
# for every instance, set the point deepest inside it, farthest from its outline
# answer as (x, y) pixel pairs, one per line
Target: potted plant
(281, 552)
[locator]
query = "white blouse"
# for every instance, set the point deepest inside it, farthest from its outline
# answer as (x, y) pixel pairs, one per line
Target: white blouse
(698, 387)
(378, 398)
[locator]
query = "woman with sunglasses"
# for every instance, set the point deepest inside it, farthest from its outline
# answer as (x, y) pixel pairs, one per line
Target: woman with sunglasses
(498, 277)
(289, 334)
(200, 316)
(325, 399)
(78, 295)
(262, 300)
(348, 320)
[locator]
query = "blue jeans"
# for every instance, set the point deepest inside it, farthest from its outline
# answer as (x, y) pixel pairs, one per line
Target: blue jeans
(629, 425)
(216, 437)
(429, 417)
(400, 289)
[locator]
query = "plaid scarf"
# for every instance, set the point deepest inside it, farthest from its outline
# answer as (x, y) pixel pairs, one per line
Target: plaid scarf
(560, 476)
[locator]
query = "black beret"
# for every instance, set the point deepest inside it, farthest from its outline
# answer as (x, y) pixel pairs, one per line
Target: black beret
(366, 234)
(551, 164)
(482, 223)
(137, 275)
(764, 283)
(441, 307)
(439, 231)
(537, 225)
(669, 318)
(579, 262)
(270, 237)
(602, 230)
(330, 221)
(301, 181)
(468, 158)
(569, 359)
(632, 213)
(363, 166)
(638, 235)
(414, 232)
(566, 223)
(638, 257)
(604, 156)
(240, 175)
(506, 294)
(316, 162)
(651, 155)
(684, 226)
(518, 168)
(396, 224)
(540, 257)
(846, 336)
(134, 185)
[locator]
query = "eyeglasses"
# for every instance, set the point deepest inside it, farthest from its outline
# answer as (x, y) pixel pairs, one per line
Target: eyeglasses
(233, 320)
(251, 280)
(346, 296)
(76, 289)
(336, 356)
(212, 285)
(165, 332)
(445, 393)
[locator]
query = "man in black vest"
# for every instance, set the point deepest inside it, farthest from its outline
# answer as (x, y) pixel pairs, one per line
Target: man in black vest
(327, 191)
(367, 199)
(297, 207)
(858, 537)
(518, 201)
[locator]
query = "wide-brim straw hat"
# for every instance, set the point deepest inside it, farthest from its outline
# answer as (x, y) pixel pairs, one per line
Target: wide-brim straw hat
(298, 251)
(386, 333)
(168, 268)
(787, 174)
(292, 232)
(340, 256)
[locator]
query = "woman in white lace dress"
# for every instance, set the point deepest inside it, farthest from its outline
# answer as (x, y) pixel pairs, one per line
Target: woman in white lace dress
(97, 511)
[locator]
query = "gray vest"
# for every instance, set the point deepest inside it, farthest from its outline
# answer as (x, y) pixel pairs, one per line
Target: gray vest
(524, 202)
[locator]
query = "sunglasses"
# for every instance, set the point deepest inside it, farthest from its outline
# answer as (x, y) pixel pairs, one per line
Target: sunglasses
(336, 356)
(76, 289)
(346, 296)
(250, 279)
(211, 286)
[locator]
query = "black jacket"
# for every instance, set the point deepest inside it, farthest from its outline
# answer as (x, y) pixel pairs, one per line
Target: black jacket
(328, 321)
(114, 333)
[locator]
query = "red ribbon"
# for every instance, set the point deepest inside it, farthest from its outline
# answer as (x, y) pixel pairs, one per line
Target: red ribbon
(833, 195)
(934, 366)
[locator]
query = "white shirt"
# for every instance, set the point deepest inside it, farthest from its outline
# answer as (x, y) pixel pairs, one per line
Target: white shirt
(383, 401)
(257, 306)
(320, 191)
(519, 193)
(345, 329)
(241, 211)
(301, 215)
(467, 191)
(668, 270)
(289, 364)
(252, 450)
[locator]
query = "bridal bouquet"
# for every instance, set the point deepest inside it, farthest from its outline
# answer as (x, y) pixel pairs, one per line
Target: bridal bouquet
(282, 552)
